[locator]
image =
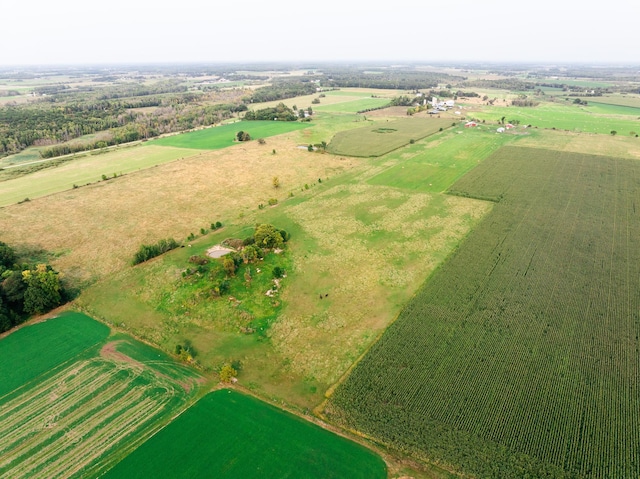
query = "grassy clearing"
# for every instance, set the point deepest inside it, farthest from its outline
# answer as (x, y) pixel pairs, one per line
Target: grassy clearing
(618, 146)
(562, 117)
(359, 253)
(352, 106)
(35, 350)
(243, 437)
(349, 240)
(434, 164)
(626, 100)
(93, 404)
(223, 136)
(88, 168)
(383, 137)
(520, 355)
(113, 218)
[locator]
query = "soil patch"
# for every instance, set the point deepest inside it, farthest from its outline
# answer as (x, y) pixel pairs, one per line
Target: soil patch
(218, 251)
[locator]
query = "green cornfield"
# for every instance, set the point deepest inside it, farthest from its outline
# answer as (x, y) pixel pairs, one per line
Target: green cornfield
(520, 355)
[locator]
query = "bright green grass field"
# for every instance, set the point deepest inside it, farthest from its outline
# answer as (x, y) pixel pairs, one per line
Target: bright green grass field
(230, 435)
(34, 350)
(627, 100)
(561, 117)
(436, 163)
(352, 106)
(383, 137)
(87, 169)
(223, 136)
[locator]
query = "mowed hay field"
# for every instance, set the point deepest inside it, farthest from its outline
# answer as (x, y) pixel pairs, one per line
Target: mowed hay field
(520, 356)
(83, 414)
(92, 231)
(564, 117)
(87, 169)
(383, 137)
(246, 438)
(224, 135)
(434, 164)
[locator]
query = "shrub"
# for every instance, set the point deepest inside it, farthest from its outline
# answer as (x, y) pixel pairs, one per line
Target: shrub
(273, 201)
(278, 272)
(197, 259)
(227, 373)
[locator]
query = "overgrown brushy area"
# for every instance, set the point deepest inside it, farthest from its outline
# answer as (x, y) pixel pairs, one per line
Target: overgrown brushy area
(520, 355)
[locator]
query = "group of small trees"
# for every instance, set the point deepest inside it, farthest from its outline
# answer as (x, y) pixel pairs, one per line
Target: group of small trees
(26, 289)
(248, 251)
(146, 252)
(281, 112)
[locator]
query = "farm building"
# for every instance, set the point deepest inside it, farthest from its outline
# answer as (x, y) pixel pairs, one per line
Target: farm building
(500, 130)
(508, 126)
(470, 124)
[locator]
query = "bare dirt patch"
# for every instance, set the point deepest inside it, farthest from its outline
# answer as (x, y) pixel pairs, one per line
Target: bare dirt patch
(218, 251)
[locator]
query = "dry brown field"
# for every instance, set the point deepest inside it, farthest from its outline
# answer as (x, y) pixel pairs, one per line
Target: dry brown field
(95, 230)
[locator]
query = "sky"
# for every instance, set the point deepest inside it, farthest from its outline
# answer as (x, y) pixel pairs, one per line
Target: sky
(37, 32)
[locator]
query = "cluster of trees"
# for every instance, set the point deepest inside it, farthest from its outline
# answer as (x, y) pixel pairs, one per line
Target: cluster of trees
(524, 102)
(26, 289)
(146, 252)
(402, 100)
(281, 113)
(248, 252)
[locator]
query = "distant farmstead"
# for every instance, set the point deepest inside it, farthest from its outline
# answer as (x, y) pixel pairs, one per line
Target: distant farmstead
(470, 124)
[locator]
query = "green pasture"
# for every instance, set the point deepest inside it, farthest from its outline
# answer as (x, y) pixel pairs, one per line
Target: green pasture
(434, 164)
(383, 137)
(34, 350)
(224, 135)
(622, 100)
(609, 109)
(230, 435)
(353, 106)
(561, 117)
(87, 168)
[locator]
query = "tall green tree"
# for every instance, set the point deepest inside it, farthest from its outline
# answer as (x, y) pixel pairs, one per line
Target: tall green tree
(43, 291)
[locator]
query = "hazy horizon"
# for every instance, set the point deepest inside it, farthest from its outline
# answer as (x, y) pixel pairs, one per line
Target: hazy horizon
(70, 32)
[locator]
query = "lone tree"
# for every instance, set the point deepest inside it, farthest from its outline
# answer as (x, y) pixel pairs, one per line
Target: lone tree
(267, 236)
(243, 136)
(227, 373)
(276, 182)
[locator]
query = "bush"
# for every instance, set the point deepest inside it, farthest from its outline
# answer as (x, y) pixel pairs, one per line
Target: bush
(278, 272)
(272, 201)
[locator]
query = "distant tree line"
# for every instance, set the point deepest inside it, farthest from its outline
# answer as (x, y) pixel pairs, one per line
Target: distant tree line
(47, 123)
(512, 84)
(26, 289)
(399, 79)
(281, 91)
